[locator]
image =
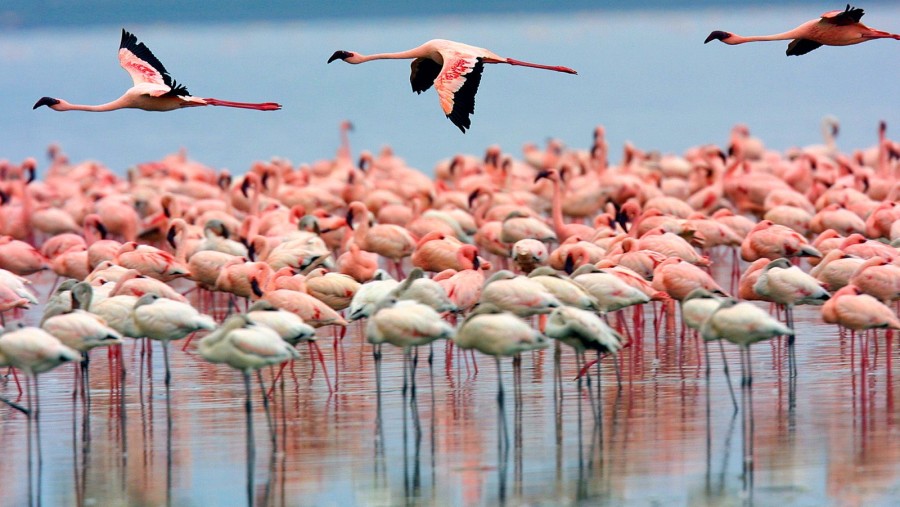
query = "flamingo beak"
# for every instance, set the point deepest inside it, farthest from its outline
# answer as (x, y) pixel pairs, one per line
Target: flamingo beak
(340, 55)
(170, 236)
(349, 219)
(542, 174)
(45, 101)
(244, 185)
(717, 35)
(254, 285)
(569, 265)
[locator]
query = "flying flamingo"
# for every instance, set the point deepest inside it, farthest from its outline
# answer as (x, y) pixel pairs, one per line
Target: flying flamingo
(154, 89)
(454, 69)
(834, 28)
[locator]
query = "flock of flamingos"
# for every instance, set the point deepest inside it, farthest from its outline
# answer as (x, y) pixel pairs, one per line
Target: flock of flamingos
(503, 253)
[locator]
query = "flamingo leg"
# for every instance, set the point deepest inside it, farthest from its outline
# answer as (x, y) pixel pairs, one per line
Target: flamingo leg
(251, 448)
(324, 369)
(727, 375)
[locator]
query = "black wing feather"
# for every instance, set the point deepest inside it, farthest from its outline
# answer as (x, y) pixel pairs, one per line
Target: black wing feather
(848, 17)
(799, 47)
(423, 73)
(464, 98)
(130, 42)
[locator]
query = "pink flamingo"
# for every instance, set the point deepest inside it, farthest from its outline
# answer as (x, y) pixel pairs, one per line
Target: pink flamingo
(879, 279)
(20, 257)
(387, 240)
(357, 263)
(834, 28)
(852, 309)
(772, 241)
(563, 230)
(153, 90)
(454, 69)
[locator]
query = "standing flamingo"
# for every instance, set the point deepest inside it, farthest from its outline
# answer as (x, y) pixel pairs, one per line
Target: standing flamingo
(247, 346)
(834, 28)
(454, 69)
(743, 324)
(153, 90)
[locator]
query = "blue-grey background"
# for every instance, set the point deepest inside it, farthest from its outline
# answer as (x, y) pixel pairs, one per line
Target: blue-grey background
(644, 73)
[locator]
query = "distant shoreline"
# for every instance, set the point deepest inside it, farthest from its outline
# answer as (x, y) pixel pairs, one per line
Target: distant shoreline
(23, 14)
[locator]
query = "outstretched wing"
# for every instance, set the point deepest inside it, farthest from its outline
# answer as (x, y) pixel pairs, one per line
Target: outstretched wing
(456, 85)
(144, 67)
(847, 16)
(423, 73)
(799, 47)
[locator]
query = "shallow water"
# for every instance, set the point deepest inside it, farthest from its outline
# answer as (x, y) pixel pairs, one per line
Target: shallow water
(659, 446)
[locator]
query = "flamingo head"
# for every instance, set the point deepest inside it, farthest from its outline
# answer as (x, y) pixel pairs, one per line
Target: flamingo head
(550, 174)
(342, 55)
(46, 101)
(718, 35)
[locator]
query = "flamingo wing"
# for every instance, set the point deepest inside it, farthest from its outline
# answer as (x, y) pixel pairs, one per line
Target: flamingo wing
(423, 73)
(799, 47)
(144, 68)
(847, 16)
(456, 85)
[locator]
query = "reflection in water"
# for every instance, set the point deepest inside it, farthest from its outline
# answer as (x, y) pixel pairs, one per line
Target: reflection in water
(824, 437)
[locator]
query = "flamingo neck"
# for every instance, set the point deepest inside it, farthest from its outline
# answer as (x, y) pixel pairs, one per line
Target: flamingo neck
(740, 39)
(556, 209)
(109, 106)
(402, 55)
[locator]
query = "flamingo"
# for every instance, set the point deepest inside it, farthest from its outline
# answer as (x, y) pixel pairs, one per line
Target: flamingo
(247, 346)
(834, 28)
(154, 89)
(166, 320)
(496, 332)
(370, 293)
(405, 324)
(743, 324)
(788, 285)
(34, 351)
(454, 69)
(582, 330)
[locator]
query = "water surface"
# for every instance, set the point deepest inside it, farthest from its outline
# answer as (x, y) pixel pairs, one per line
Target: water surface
(830, 442)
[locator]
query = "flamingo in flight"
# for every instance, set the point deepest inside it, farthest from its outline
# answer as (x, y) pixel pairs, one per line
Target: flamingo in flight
(834, 28)
(453, 67)
(154, 89)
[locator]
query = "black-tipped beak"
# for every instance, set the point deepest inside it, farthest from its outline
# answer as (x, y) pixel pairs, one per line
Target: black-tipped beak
(542, 174)
(339, 55)
(170, 236)
(717, 35)
(473, 196)
(254, 285)
(244, 185)
(476, 264)
(45, 101)
(349, 219)
(102, 230)
(569, 265)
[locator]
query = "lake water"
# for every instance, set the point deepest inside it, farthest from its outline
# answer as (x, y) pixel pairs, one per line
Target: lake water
(828, 440)
(644, 74)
